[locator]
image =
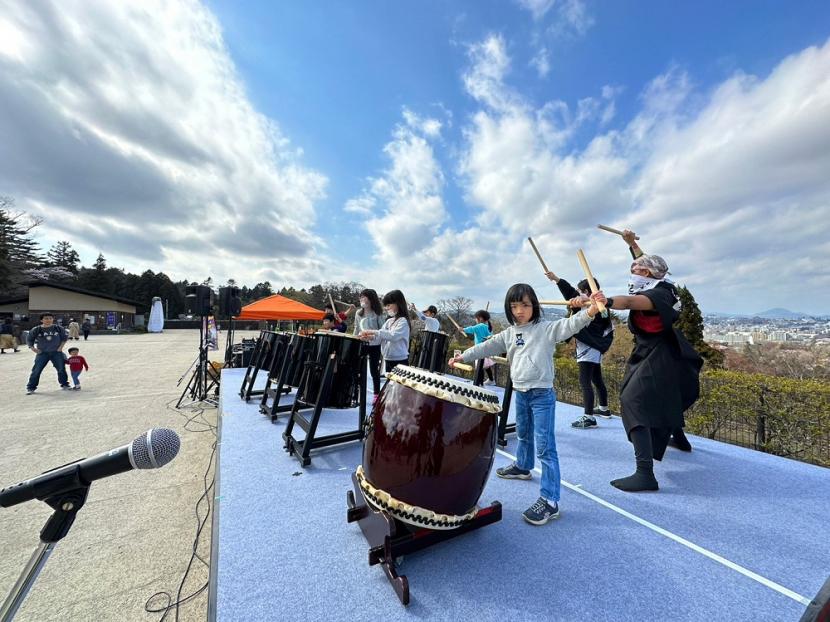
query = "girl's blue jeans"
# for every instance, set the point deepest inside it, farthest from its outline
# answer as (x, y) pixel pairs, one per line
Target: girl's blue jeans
(535, 418)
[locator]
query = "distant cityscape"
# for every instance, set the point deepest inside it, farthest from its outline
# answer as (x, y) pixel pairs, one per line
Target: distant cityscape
(773, 326)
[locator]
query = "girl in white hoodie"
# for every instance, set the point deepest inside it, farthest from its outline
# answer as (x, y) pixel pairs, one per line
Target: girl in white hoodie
(530, 343)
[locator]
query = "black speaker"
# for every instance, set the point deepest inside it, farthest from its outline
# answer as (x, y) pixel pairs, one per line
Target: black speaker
(230, 304)
(198, 300)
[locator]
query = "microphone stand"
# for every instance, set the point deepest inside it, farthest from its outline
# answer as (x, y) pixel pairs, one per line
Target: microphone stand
(66, 505)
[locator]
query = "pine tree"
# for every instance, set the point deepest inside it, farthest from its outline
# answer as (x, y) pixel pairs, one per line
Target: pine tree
(62, 255)
(18, 251)
(690, 324)
(95, 279)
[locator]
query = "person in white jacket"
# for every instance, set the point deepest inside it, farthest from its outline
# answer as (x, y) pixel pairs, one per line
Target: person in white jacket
(530, 343)
(394, 335)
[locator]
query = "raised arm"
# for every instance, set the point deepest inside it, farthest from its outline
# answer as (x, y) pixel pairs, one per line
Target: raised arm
(631, 239)
(632, 303)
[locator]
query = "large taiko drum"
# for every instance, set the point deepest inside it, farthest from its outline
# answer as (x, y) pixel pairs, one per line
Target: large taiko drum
(430, 443)
(347, 350)
(433, 352)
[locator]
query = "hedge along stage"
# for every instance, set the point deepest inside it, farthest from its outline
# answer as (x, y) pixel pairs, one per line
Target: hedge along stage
(782, 416)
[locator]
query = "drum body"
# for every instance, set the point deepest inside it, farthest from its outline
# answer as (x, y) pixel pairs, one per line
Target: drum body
(347, 350)
(279, 348)
(301, 350)
(433, 354)
(429, 448)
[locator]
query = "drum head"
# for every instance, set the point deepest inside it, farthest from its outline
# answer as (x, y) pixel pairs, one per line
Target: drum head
(446, 388)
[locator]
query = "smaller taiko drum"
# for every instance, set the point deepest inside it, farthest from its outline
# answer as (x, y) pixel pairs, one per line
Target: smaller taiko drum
(430, 444)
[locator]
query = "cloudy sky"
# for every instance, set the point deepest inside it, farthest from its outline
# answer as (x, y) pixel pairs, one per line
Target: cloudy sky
(417, 144)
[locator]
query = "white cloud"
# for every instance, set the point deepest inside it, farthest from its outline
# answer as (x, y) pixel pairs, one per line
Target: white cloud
(126, 125)
(538, 8)
(574, 18)
(730, 185)
(541, 62)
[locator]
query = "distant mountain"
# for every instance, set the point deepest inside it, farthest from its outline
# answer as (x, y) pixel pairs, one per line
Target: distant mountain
(781, 314)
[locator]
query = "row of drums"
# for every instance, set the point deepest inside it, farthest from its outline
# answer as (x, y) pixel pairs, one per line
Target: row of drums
(430, 439)
(298, 354)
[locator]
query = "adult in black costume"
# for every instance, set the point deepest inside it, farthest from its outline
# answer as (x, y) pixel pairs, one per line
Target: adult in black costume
(662, 375)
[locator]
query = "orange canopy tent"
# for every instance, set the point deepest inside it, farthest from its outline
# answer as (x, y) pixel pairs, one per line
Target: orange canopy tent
(278, 307)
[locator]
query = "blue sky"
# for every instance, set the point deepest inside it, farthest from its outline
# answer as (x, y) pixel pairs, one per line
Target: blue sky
(416, 145)
(337, 74)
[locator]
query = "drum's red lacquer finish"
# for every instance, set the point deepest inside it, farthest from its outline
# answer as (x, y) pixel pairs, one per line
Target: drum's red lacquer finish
(428, 452)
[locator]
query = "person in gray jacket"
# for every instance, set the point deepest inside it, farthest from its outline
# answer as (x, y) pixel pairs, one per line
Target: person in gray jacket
(47, 342)
(530, 343)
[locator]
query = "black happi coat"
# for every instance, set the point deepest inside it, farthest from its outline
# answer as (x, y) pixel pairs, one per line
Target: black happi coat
(599, 334)
(662, 378)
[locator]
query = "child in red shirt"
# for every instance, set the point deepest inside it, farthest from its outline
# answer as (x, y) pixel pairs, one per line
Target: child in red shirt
(77, 364)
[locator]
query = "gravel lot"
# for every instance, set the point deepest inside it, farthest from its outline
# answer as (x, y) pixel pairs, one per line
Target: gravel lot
(134, 536)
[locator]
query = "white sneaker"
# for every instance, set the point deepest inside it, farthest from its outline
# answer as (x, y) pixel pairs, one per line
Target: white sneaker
(489, 382)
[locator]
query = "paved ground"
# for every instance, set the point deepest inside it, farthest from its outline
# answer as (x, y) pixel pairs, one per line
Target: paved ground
(135, 535)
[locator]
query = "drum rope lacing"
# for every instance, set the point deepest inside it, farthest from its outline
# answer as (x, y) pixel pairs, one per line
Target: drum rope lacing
(444, 388)
(410, 513)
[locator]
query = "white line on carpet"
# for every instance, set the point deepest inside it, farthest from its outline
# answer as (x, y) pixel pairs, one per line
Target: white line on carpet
(663, 532)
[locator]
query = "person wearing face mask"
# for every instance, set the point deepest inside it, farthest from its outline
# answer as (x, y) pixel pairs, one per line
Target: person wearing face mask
(662, 374)
(370, 317)
(678, 437)
(394, 334)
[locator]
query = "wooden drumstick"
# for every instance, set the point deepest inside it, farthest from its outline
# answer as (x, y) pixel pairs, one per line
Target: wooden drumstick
(538, 256)
(487, 306)
(559, 303)
(462, 366)
(612, 230)
(590, 278)
(501, 360)
(454, 323)
(331, 300)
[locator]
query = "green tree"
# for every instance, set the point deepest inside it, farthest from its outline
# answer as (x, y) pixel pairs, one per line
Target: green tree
(690, 324)
(62, 255)
(18, 250)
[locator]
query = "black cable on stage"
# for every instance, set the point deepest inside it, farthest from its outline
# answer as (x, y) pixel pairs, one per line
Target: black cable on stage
(207, 426)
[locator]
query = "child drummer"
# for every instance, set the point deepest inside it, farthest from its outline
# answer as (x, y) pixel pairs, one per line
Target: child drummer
(530, 342)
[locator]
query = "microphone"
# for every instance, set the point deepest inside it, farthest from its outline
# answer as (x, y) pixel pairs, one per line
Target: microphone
(151, 450)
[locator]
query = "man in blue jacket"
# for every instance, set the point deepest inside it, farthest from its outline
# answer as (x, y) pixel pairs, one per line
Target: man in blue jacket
(47, 342)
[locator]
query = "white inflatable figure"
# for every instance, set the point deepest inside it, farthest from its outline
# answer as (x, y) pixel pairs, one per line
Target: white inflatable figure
(156, 323)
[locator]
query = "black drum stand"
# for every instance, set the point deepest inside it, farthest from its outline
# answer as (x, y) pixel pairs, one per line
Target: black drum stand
(301, 449)
(278, 379)
(271, 349)
(389, 539)
(505, 428)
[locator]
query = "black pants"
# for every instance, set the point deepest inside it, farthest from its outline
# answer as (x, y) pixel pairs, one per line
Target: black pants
(86, 335)
(390, 365)
(374, 367)
(489, 372)
(643, 450)
(591, 374)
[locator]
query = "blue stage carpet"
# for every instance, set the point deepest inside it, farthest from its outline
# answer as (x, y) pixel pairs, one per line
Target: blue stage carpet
(284, 551)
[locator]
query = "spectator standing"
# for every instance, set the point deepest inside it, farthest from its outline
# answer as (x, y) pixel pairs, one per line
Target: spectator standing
(85, 328)
(74, 330)
(47, 342)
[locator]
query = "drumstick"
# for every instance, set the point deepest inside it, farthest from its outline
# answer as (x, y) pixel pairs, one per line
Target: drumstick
(462, 366)
(500, 360)
(333, 308)
(538, 256)
(454, 323)
(487, 306)
(590, 278)
(612, 230)
(560, 303)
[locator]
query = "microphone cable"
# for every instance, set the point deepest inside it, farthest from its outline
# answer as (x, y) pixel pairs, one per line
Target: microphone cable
(196, 423)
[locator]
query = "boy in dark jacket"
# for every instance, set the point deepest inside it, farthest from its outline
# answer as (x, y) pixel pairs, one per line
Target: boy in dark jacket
(591, 343)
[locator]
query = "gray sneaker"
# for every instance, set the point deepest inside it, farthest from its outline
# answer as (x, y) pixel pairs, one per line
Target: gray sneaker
(584, 422)
(513, 472)
(541, 512)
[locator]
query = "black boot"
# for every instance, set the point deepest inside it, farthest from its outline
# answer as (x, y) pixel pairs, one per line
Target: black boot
(642, 479)
(678, 439)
